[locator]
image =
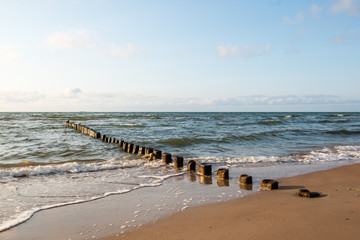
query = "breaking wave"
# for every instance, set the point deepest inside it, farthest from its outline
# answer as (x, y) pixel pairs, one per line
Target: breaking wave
(27, 169)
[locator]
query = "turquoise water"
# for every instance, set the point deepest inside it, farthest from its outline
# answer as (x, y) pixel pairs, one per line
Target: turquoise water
(43, 164)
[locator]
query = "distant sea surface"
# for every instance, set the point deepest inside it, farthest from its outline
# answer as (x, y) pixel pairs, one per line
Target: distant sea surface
(45, 165)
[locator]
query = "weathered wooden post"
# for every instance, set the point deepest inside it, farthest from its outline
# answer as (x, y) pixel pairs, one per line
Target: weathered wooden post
(204, 169)
(191, 165)
(245, 179)
(166, 158)
(222, 173)
(178, 162)
(125, 146)
(269, 184)
(157, 154)
(97, 135)
(148, 150)
(135, 149)
(130, 148)
(142, 150)
(306, 193)
(103, 137)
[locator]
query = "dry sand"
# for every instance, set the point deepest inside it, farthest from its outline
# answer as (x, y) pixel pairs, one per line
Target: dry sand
(277, 214)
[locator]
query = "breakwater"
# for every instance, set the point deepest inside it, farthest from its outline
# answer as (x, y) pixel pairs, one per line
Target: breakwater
(145, 152)
(152, 154)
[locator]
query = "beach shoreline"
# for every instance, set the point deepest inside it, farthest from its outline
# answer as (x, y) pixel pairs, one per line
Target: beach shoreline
(133, 214)
(86, 188)
(274, 214)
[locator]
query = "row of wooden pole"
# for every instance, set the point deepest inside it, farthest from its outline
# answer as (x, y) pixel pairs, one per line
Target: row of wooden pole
(204, 169)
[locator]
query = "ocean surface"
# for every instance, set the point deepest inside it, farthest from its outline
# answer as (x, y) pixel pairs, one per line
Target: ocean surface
(45, 165)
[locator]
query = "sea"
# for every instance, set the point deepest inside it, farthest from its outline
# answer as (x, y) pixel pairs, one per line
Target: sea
(44, 164)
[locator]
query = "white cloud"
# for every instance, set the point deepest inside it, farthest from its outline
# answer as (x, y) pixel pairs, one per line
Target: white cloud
(273, 100)
(70, 39)
(316, 10)
(299, 17)
(232, 51)
(114, 100)
(348, 7)
(120, 101)
(71, 93)
(86, 39)
(130, 50)
(8, 54)
(249, 51)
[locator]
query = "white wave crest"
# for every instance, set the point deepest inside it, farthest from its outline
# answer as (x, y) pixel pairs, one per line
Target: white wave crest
(69, 167)
(327, 154)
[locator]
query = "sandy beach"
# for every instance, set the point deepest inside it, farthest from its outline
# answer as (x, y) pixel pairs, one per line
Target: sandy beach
(277, 214)
(187, 207)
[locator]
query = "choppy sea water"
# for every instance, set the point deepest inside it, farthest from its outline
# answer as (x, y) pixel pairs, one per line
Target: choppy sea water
(45, 165)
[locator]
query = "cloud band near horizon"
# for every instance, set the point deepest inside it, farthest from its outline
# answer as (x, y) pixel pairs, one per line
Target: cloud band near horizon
(77, 100)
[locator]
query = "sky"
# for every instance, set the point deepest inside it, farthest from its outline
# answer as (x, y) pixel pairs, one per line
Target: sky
(188, 55)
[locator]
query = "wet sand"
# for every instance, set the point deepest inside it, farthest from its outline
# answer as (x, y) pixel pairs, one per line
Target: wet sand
(135, 215)
(277, 214)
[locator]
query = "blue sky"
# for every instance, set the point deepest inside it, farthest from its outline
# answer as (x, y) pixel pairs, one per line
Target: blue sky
(202, 55)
